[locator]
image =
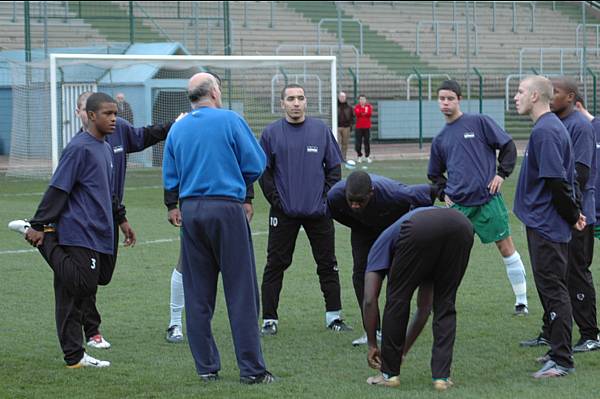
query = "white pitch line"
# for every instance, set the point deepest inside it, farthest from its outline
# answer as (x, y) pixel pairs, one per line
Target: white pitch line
(159, 241)
(41, 193)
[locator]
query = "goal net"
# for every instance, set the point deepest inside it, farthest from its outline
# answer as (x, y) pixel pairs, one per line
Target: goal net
(155, 90)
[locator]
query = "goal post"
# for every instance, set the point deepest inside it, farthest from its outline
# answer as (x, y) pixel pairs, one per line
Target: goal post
(156, 86)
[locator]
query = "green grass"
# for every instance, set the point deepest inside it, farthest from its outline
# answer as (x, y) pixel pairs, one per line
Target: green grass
(310, 361)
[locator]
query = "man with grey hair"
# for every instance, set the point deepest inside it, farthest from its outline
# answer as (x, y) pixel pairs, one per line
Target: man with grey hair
(545, 203)
(124, 109)
(345, 122)
(211, 186)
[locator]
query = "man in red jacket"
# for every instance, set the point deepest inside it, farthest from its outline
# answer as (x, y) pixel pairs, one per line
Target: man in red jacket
(363, 111)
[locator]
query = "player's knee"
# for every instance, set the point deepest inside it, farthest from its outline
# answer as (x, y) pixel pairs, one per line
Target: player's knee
(83, 288)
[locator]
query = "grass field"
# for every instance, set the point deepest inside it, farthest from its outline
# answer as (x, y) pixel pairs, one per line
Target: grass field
(311, 361)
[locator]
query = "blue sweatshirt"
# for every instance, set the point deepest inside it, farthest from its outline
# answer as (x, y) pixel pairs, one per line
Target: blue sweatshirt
(211, 153)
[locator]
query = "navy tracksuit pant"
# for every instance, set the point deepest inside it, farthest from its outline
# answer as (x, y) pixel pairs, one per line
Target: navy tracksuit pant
(216, 239)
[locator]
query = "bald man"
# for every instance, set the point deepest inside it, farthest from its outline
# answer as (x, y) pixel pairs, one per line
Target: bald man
(545, 203)
(215, 237)
(581, 246)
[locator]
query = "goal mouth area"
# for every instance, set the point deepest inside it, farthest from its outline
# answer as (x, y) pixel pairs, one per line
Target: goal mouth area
(155, 88)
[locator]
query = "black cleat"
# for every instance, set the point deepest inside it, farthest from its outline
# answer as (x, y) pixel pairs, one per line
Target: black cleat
(269, 328)
(521, 310)
(339, 326)
(264, 378)
(537, 341)
(586, 345)
(210, 377)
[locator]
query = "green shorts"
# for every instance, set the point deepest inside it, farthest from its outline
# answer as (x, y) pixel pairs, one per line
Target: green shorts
(490, 220)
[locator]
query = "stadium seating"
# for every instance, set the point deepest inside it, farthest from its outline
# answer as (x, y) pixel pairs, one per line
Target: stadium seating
(389, 36)
(71, 32)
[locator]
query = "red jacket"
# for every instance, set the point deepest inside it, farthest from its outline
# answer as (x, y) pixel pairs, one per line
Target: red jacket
(363, 116)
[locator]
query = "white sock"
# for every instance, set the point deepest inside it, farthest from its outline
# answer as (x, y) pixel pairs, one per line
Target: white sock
(516, 275)
(330, 317)
(177, 301)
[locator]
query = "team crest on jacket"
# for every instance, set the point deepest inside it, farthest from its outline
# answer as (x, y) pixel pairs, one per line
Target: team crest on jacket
(312, 148)
(469, 135)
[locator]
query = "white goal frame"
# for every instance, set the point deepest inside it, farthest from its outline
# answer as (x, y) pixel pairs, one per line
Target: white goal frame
(107, 57)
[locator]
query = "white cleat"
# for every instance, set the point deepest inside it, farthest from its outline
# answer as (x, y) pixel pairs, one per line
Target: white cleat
(88, 361)
(19, 226)
(360, 341)
(363, 340)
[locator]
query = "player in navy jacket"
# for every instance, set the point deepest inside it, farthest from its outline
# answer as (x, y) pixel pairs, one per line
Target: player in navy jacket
(545, 202)
(126, 139)
(466, 149)
(431, 246)
(303, 163)
(581, 245)
(73, 226)
(368, 204)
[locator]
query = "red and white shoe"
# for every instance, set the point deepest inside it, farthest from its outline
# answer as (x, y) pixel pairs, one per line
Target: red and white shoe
(98, 342)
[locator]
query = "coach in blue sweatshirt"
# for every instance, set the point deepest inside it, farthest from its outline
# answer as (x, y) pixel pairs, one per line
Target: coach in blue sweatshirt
(303, 163)
(215, 233)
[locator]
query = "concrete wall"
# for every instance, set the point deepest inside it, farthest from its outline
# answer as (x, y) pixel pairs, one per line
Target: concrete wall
(400, 119)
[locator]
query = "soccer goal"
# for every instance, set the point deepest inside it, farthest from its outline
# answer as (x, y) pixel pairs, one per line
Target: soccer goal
(155, 88)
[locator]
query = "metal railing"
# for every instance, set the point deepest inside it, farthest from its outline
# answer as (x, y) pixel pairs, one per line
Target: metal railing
(578, 51)
(515, 4)
(436, 24)
(153, 21)
(422, 76)
(332, 48)
(579, 36)
(360, 26)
